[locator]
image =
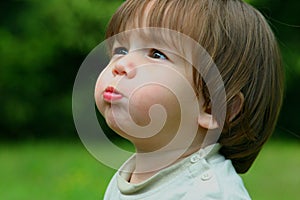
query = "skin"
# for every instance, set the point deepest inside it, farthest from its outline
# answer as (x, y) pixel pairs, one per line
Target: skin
(134, 60)
(129, 66)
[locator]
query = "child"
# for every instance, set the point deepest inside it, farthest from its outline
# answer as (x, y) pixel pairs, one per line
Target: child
(241, 45)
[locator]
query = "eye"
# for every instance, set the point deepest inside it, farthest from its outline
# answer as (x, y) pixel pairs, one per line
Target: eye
(156, 54)
(120, 51)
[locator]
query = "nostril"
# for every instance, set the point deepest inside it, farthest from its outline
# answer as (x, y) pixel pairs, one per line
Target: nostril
(124, 67)
(115, 72)
(119, 72)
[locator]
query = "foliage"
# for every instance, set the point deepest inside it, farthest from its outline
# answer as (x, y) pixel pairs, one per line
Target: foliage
(43, 43)
(284, 19)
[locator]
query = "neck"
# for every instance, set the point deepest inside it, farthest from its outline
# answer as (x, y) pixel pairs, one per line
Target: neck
(150, 163)
(151, 157)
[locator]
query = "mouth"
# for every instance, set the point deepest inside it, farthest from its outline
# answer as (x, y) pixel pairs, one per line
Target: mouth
(111, 94)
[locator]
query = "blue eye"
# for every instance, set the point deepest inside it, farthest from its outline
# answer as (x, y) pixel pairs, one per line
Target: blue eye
(120, 51)
(156, 54)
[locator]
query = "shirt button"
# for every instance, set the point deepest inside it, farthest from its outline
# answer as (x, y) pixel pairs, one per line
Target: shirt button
(195, 158)
(206, 176)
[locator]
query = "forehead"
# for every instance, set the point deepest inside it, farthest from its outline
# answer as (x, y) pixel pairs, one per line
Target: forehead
(165, 15)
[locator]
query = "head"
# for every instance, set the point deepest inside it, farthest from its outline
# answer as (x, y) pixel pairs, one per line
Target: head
(242, 45)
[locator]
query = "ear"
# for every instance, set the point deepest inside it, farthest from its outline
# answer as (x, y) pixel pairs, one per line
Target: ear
(235, 106)
(206, 120)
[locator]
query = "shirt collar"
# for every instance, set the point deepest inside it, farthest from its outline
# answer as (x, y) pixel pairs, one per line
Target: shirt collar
(209, 153)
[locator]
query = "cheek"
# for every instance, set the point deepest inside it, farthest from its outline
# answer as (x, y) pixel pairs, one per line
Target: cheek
(147, 96)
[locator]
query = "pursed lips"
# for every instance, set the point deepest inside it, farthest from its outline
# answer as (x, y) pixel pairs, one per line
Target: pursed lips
(111, 94)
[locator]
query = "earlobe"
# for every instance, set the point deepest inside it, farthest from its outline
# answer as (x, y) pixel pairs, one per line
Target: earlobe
(206, 120)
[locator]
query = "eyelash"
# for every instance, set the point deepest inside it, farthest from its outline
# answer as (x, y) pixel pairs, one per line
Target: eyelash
(120, 51)
(154, 53)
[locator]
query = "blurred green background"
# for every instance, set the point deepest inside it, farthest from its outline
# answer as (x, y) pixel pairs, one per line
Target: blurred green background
(42, 45)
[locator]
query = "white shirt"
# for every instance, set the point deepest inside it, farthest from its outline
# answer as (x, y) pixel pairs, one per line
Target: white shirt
(203, 175)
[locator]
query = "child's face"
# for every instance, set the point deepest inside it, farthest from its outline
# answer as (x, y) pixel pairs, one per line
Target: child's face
(140, 74)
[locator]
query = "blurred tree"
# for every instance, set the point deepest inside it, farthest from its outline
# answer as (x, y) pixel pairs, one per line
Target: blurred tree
(43, 43)
(284, 18)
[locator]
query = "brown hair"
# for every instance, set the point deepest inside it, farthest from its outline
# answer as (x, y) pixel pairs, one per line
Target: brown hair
(244, 48)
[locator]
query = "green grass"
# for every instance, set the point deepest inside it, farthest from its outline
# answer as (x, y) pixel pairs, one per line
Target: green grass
(61, 170)
(54, 170)
(276, 172)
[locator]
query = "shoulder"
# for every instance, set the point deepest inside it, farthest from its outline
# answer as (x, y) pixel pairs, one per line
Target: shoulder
(231, 184)
(216, 178)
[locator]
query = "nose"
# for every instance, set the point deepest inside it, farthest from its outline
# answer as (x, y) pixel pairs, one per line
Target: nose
(126, 66)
